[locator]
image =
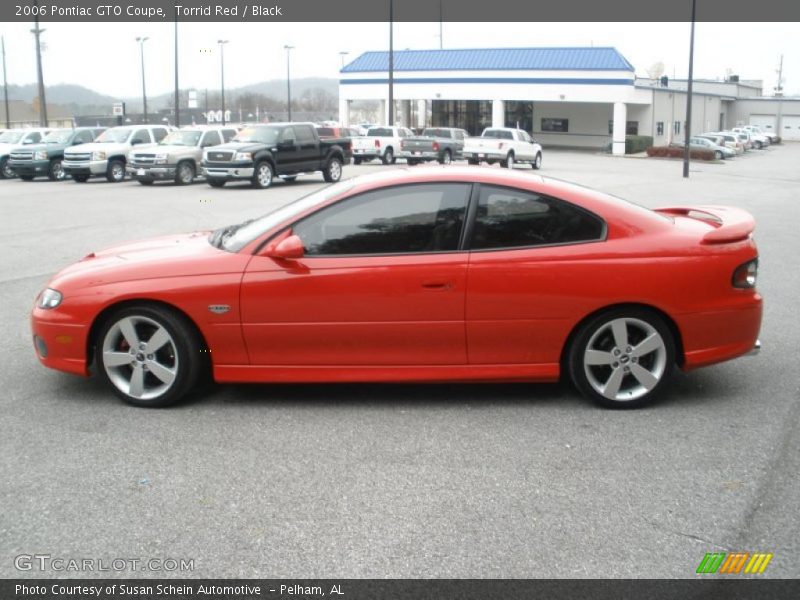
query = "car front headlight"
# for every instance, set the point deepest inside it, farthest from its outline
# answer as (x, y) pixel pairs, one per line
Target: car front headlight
(40, 155)
(99, 155)
(244, 156)
(161, 158)
(49, 298)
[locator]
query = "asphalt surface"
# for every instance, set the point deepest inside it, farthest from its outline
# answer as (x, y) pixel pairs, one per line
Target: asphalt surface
(399, 481)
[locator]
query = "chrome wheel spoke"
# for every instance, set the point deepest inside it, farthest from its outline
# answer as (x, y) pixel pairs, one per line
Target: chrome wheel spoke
(643, 376)
(157, 340)
(598, 357)
(128, 331)
(136, 388)
(649, 344)
(116, 359)
(620, 330)
(611, 388)
(165, 374)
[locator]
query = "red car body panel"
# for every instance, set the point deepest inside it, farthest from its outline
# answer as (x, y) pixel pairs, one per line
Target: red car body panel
(461, 316)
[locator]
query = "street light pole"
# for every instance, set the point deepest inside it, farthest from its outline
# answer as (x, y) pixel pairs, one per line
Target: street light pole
(288, 84)
(177, 89)
(390, 108)
(222, 74)
(688, 133)
(141, 41)
(37, 31)
(5, 83)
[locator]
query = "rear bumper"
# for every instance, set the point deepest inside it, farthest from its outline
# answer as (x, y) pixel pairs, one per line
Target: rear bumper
(424, 155)
(368, 154)
(488, 155)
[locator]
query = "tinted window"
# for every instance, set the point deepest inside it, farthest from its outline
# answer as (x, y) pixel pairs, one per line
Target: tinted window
(403, 219)
(305, 134)
(380, 132)
(325, 131)
(159, 133)
(228, 134)
(498, 134)
(143, 135)
(33, 138)
(510, 218)
(211, 138)
(83, 137)
(288, 135)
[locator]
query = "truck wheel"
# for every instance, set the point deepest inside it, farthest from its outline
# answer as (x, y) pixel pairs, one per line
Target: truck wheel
(6, 172)
(537, 162)
(216, 182)
(508, 163)
(263, 175)
(333, 170)
(446, 158)
(56, 171)
(80, 178)
(184, 173)
(116, 171)
(388, 156)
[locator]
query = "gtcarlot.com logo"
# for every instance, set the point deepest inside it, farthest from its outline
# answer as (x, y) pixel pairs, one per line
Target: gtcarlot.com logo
(735, 563)
(46, 562)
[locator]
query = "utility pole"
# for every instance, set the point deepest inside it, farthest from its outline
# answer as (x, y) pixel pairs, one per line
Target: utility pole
(5, 83)
(177, 90)
(779, 87)
(222, 74)
(688, 133)
(343, 53)
(37, 31)
(141, 41)
(390, 108)
(288, 84)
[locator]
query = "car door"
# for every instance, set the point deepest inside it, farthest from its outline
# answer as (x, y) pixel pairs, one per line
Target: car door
(287, 158)
(527, 277)
(308, 151)
(382, 282)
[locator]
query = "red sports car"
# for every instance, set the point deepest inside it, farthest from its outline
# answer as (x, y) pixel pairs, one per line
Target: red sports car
(440, 274)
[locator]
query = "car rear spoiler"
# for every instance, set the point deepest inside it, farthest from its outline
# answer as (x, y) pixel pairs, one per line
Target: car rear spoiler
(730, 224)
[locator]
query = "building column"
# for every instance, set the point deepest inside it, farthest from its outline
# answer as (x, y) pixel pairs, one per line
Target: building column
(344, 112)
(405, 113)
(384, 112)
(618, 135)
(498, 113)
(422, 113)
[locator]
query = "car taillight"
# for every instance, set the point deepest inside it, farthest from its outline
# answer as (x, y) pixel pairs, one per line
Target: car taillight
(377, 143)
(435, 145)
(745, 275)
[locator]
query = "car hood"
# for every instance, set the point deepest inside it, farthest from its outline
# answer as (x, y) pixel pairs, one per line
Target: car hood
(98, 147)
(166, 149)
(237, 147)
(40, 147)
(156, 258)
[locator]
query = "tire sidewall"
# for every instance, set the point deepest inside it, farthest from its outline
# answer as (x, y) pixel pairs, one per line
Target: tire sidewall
(329, 168)
(577, 348)
(110, 172)
(256, 181)
(187, 348)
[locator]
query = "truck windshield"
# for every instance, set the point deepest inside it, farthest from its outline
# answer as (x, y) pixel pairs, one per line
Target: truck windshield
(114, 136)
(10, 137)
(60, 136)
(262, 135)
(181, 138)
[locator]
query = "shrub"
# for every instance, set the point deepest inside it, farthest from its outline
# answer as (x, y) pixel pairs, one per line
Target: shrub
(677, 152)
(637, 143)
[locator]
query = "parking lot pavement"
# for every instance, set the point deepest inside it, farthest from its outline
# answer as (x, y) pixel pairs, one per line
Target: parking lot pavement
(400, 481)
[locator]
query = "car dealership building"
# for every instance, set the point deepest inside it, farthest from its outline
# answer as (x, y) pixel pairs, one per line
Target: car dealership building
(574, 97)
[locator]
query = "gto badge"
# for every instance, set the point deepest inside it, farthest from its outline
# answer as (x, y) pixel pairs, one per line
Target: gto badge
(219, 309)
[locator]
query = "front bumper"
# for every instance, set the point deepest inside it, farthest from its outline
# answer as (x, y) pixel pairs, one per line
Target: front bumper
(59, 344)
(227, 172)
(92, 167)
(30, 168)
(152, 172)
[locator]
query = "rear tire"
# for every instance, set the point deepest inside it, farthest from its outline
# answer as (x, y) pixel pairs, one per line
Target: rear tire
(622, 357)
(333, 170)
(446, 158)
(149, 355)
(388, 157)
(508, 163)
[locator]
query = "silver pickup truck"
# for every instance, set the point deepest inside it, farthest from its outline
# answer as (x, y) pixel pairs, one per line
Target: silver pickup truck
(178, 156)
(443, 144)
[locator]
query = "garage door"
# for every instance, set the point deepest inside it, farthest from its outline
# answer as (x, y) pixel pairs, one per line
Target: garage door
(766, 122)
(791, 127)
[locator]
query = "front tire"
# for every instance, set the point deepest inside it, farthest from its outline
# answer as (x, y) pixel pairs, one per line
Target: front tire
(717, 155)
(333, 170)
(115, 172)
(537, 162)
(184, 173)
(56, 171)
(149, 355)
(6, 172)
(263, 176)
(622, 357)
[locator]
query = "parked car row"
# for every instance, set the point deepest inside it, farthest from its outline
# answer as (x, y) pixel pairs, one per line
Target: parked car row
(728, 144)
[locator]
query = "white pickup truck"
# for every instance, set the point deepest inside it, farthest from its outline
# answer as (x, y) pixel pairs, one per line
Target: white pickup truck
(380, 142)
(505, 145)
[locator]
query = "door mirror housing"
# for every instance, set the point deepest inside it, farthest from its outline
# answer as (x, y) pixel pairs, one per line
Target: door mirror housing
(290, 248)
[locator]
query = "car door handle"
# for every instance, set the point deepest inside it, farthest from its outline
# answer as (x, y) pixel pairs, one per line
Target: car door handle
(437, 285)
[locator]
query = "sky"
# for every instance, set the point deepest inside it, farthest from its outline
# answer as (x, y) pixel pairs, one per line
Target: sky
(105, 56)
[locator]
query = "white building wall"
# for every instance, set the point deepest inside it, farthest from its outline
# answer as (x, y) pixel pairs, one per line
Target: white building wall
(588, 123)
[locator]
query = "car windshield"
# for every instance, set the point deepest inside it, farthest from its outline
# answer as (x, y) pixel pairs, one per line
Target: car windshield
(263, 135)
(114, 136)
(181, 138)
(235, 237)
(10, 137)
(60, 136)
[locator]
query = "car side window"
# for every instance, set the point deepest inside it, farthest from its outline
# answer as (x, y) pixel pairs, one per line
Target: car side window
(288, 135)
(406, 219)
(210, 138)
(228, 134)
(508, 218)
(159, 133)
(142, 135)
(33, 138)
(83, 137)
(304, 134)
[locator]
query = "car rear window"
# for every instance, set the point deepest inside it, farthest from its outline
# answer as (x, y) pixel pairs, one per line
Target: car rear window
(380, 132)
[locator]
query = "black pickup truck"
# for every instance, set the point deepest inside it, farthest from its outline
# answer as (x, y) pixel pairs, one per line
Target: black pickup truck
(260, 153)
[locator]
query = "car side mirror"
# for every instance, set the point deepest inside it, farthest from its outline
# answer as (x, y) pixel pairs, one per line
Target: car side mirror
(290, 248)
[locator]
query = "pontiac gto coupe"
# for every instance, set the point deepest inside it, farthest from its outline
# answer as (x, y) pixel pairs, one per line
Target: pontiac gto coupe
(438, 274)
